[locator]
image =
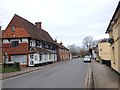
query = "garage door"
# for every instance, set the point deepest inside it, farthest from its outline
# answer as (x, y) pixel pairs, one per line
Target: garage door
(22, 59)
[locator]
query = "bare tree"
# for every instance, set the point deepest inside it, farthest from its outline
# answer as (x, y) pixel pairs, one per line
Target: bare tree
(75, 50)
(88, 42)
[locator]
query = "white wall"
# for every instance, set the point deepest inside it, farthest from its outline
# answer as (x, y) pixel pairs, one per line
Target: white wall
(33, 42)
(6, 41)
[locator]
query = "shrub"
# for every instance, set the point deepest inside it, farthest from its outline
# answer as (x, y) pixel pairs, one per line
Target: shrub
(11, 67)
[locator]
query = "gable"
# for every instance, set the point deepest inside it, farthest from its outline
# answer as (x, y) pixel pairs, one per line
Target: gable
(19, 30)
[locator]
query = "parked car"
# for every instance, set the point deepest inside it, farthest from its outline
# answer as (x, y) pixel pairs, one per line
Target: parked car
(87, 58)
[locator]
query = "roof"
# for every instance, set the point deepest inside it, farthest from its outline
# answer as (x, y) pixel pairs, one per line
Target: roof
(61, 46)
(39, 50)
(30, 28)
(33, 31)
(103, 40)
(47, 36)
(1, 33)
(114, 17)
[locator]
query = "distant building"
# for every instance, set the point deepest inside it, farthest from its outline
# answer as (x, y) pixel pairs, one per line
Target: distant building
(0, 45)
(114, 39)
(104, 51)
(62, 52)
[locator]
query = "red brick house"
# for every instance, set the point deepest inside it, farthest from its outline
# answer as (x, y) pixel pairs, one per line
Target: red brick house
(0, 46)
(62, 52)
(27, 43)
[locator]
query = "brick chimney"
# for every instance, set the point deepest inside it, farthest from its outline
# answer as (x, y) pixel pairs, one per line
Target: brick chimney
(38, 25)
(0, 28)
(61, 43)
(56, 40)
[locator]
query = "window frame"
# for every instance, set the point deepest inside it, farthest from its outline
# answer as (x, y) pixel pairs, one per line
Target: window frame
(12, 28)
(14, 44)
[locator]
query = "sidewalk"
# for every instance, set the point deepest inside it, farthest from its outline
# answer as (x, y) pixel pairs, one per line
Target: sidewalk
(104, 76)
(23, 71)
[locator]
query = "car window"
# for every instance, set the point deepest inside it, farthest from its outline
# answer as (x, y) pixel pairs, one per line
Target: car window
(87, 56)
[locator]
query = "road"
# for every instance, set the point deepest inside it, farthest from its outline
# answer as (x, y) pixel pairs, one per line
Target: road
(65, 74)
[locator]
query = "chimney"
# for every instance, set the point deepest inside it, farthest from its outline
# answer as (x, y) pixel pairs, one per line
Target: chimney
(38, 25)
(55, 40)
(0, 27)
(61, 43)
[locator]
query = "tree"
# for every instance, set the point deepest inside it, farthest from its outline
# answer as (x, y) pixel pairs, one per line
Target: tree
(75, 50)
(88, 42)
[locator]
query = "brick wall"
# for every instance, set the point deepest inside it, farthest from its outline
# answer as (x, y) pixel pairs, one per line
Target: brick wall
(21, 49)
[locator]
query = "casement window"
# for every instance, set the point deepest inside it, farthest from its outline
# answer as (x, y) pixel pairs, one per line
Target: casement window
(46, 46)
(38, 44)
(12, 28)
(36, 57)
(15, 43)
(31, 56)
(40, 57)
(50, 56)
(30, 43)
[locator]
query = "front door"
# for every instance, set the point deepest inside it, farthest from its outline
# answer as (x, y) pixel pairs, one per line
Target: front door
(31, 60)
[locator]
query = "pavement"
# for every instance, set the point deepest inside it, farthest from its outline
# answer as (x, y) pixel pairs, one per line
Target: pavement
(104, 76)
(23, 70)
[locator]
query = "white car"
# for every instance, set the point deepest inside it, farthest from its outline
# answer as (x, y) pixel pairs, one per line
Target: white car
(87, 58)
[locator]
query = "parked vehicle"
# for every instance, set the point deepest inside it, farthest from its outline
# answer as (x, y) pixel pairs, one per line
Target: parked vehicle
(87, 58)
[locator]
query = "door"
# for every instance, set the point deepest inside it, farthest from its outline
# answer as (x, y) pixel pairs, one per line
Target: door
(31, 60)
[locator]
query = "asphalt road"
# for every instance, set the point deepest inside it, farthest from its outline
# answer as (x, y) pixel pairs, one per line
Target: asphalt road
(65, 74)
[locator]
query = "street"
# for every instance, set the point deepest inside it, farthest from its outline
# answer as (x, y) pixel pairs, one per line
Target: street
(65, 74)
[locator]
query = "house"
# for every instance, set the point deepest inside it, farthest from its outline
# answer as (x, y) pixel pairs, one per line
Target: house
(94, 52)
(104, 52)
(62, 52)
(0, 45)
(113, 30)
(27, 43)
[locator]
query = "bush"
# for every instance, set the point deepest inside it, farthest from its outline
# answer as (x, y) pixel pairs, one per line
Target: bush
(17, 65)
(11, 67)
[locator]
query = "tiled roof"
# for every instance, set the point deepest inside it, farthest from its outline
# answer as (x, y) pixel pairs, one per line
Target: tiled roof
(114, 18)
(30, 28)
(39, 50)
(1, 33)
(47, 37)
(104, 40)
(33, 31)
(61, 46)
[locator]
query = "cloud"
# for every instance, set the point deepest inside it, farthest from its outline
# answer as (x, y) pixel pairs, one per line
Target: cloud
(70, 20)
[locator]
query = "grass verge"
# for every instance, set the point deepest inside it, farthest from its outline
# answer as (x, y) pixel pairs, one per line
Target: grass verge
(8, 69)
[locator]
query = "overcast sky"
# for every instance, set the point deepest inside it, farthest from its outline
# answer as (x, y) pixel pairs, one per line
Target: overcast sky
(69, 21)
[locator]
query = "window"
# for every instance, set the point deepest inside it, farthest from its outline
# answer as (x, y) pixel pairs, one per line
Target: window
(30, 43)
(15, 43)
(12, 28)
(36, 58)
(38, 44)
(40, 57)
(31, 56)
(50, 56)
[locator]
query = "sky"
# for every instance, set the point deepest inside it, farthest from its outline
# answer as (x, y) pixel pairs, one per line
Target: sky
(69, 21)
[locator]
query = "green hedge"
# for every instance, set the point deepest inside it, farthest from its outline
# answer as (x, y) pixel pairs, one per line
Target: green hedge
(11, 67)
